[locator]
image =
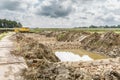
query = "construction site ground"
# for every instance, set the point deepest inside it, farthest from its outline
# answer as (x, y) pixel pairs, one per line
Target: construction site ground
(30, 56)
(11, 66)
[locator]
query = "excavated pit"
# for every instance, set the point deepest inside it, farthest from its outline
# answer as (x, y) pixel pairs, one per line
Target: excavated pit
(44, 65)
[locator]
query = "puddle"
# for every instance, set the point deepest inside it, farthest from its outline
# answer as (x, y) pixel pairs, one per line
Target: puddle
(69, 56)
(81, 52)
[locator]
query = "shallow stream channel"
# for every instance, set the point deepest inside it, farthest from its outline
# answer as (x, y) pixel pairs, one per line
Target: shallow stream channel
(77, 55)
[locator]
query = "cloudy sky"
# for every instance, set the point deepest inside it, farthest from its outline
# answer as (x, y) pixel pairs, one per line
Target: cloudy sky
(61, 13)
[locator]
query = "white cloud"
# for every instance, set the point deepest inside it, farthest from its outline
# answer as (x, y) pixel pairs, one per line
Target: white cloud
(112, 4)
(61, 13)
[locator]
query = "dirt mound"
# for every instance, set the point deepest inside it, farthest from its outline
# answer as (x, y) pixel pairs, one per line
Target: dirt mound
(51, 33)
(96, 70)
(32, 49)
(70, 36)
(107, 43)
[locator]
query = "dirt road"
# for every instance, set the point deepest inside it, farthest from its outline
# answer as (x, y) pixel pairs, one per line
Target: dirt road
(10, 66)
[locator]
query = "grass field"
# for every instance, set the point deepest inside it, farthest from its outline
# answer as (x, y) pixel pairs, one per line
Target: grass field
(91, 30)
(2, 35)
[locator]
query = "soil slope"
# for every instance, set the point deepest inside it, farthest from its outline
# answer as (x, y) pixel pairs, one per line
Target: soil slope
(107, 43)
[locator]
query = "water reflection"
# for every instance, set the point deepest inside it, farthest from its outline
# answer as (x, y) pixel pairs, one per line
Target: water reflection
(69, 56)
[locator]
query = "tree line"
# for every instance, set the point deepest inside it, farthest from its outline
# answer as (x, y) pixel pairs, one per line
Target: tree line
(4, 23)
(106, 26)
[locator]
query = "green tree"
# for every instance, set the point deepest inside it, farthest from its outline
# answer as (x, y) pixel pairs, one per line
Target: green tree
(4, 23)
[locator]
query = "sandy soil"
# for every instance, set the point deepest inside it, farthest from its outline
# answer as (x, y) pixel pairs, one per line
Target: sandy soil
(10, 66)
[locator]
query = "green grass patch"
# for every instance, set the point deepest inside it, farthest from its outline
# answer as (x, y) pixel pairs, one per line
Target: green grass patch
(60, 37)
(2, 35)
(91, 30)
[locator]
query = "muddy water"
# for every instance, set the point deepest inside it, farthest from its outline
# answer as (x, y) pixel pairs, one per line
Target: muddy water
(69, 56)
(82, 52)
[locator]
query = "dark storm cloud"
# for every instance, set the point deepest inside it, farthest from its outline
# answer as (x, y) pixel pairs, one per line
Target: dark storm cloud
(11, 5)
(55, 10)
